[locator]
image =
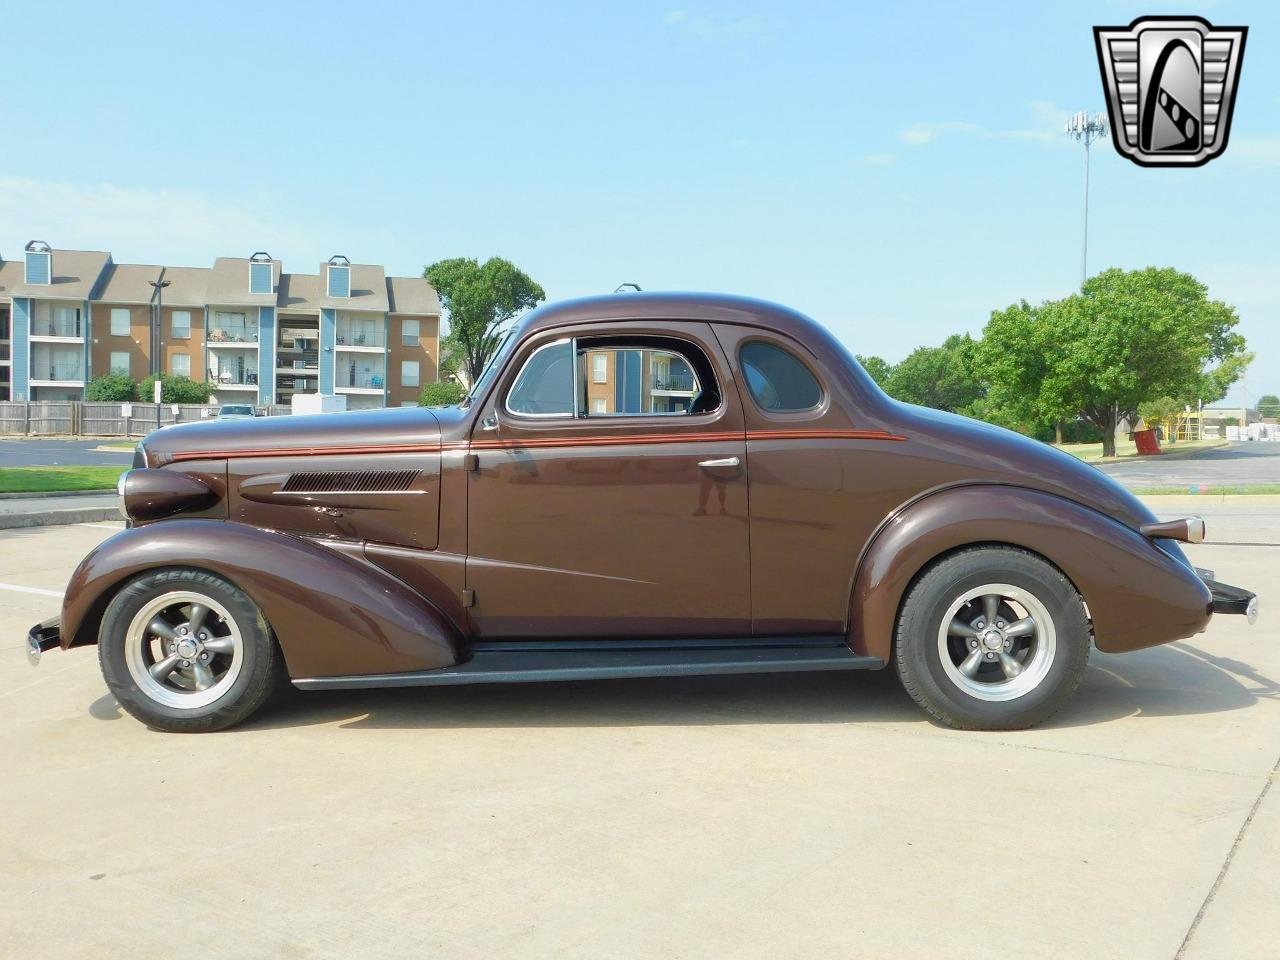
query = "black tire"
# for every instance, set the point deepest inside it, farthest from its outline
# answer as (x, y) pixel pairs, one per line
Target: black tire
(944, 694)
(260, 669)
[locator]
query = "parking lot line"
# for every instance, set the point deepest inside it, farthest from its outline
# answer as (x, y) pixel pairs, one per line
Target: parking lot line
(38, 590)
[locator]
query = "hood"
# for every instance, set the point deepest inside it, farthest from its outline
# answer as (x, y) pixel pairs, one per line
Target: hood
(355, 431)
(994, 454)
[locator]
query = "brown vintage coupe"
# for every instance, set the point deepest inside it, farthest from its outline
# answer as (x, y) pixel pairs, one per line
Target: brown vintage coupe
(641, 485)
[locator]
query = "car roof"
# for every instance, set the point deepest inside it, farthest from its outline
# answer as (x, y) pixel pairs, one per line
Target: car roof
(706, 307)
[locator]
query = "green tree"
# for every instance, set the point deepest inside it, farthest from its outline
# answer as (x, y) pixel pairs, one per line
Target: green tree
(113, 388)
(1269, 405)
(1127, 337)
(944, 377)
(1156, 412)
(446, 393)
(173, 389)
(877, 368)
(480, 298)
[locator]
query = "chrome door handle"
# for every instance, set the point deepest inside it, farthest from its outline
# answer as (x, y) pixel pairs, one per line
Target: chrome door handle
(489, 423)
(723, 462)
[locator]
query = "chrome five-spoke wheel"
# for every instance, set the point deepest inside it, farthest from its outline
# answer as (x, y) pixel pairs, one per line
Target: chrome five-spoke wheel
(184, 649)
(997, 641)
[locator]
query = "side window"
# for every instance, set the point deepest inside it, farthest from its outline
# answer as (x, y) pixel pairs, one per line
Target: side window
(544, 386)
(776, 378)
(635, 378)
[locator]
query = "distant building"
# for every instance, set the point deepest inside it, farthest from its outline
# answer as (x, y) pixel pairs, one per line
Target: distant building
(255, 332)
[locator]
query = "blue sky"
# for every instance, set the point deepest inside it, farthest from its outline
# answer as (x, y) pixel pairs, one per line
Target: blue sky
(895, 170)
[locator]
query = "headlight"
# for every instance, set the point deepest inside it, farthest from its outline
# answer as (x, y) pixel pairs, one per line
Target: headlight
(120, 494)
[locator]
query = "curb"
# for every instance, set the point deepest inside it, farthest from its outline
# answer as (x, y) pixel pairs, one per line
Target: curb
(1166, 453)
(58, 493)
(49, 518)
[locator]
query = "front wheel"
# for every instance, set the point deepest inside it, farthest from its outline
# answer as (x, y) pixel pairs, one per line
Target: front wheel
(992, 638)
(186, 651)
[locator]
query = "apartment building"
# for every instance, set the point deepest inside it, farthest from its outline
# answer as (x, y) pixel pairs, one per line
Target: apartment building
(256, 333)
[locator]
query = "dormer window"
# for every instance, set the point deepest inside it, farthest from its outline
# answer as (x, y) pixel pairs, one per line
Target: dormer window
(339, 276)
(39, 263)
(261, 273)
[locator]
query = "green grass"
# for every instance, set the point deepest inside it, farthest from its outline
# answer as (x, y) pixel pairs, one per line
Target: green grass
(1248, 490)
(1127, 448)
(50, 479)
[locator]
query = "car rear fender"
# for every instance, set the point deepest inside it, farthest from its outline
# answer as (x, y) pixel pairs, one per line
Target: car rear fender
(1137, 594)
(332, 613)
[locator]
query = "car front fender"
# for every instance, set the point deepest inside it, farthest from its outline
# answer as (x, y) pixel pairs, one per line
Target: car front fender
(332, 614)
(1137, 594)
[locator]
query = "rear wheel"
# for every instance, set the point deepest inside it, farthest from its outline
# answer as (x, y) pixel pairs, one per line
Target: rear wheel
(186, 651)
(992, 638)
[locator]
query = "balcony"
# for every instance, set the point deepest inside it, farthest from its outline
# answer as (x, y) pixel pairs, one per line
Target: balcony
(58, 325)
(370, 338)
(364, 377)
(299, 362)
(233, 335)
(674, 381)
(53, 366)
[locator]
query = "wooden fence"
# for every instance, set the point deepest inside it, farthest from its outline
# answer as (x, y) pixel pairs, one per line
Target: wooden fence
(73, 418)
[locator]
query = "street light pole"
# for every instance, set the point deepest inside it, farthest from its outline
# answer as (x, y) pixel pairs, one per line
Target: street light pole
(1085, 128)
(159, 286)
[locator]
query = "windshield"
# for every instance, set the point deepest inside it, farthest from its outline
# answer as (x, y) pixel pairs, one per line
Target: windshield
(236, 411)
(490, 370)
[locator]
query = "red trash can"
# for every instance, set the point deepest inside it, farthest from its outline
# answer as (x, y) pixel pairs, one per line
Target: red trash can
(1146, 441)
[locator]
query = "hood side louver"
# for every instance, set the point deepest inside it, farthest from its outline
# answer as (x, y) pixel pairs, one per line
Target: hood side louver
(350, 481)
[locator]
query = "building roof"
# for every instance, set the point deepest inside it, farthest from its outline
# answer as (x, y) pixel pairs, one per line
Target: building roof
(308, 293)
(229, 284)
(412, 295)
(188, 286)
(75, 275)
(298, 293)
(129, 283)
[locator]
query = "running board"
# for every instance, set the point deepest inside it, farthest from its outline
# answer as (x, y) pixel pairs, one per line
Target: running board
(514, 662)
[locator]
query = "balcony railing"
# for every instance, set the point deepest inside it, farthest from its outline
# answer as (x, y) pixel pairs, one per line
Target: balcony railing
(230, 378)
(361, 337)
(232, 335)
(62, 371)
(50, 327)
(4, 351)
(676, 380)
(365, 381)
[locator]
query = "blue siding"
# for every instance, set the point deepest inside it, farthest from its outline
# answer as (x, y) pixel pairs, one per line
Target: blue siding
(39, 267)
(628, 394)
(328, 340)
(19, 337)
(260, 276)
(339, 281)
(266, 355)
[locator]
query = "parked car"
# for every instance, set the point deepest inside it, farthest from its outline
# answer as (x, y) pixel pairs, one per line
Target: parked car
(641, 485)
(237, 411)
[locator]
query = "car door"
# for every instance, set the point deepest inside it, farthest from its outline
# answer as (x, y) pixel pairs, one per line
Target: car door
(610, 491)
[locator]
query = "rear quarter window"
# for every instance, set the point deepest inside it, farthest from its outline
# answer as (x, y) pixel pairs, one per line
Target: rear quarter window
(777, 379)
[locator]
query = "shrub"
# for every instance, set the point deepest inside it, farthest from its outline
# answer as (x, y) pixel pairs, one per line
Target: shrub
(441, 394)
(114, 388)
(175, 390)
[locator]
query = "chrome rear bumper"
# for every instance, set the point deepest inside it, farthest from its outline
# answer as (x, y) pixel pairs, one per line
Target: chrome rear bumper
(43, 636)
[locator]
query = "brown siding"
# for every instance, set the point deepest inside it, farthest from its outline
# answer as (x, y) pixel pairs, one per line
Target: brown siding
(426, 352)
(193, 347)
(137, 344)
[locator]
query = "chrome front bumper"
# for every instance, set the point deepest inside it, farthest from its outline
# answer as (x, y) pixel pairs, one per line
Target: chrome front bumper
(43, 636)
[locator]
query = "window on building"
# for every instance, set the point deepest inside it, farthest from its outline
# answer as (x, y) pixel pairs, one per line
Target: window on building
(544, 386)
(339, 281)
(644, 376)
(776, 378)
(119, 321)
(410, 331)
(409, 373)
(119, 362)
(180, 325)
(180, 364)
(260, 276)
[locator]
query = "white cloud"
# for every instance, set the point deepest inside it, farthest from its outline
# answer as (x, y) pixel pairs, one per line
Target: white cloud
(141, 225)
(715, 26)
(879, 159)
(1254, 151)
(1046, 124)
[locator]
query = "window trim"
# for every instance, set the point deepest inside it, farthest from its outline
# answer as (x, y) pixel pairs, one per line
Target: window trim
(823, 394)
(573, 412)
(417, 375)
(271, 277)
(128, 321)
(416, 340)
(616, 415)
(128, 362)
(173, 335)
(328, 281)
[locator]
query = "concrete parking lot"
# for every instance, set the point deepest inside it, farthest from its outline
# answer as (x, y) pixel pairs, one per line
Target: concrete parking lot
(1236, 464)
(798, 816)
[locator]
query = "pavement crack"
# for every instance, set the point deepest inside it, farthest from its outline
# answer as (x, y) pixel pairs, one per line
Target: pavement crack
(1226, 864)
